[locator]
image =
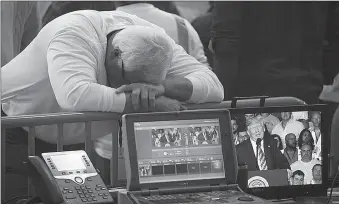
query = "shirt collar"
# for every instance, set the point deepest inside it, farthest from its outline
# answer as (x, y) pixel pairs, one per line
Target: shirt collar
(255, 144)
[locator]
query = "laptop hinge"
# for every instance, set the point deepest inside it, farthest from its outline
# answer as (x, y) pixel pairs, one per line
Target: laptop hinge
(145, 192)
(150, 192)
(221, 187)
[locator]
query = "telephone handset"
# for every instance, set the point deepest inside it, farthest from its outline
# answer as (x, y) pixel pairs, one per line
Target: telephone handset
(67, 177)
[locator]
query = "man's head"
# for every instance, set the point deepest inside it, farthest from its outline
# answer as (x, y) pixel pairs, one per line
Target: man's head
(317, 172)
(286, 116)
(298, 178)
(255, 128)
(234, 125)
(264, 115)
(315, 118)
(138, 54)
(306, 152)
(291, 141)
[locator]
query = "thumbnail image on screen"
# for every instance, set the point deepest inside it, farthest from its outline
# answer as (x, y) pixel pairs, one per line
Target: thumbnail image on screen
(184, 136)
(179, 150)
(279, 149)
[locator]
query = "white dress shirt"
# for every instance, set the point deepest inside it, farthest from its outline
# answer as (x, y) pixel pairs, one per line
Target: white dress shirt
(63, 70)
(292, 126)
(167, 21)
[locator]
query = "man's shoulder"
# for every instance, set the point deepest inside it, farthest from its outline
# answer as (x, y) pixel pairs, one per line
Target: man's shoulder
(296, 123)
(277, 127)
(315, 161)
(244, 144)
(295, 164)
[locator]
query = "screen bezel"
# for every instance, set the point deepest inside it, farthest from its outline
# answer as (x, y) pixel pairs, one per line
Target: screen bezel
(277, 192)
(226, 142)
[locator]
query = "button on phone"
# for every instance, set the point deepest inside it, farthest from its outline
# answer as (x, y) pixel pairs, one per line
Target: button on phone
(70, 197)
(84, 200)
(78, 180)
(89, 179)
(67, 181)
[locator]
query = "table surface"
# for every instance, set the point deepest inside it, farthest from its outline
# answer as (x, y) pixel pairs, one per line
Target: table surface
(303, 200)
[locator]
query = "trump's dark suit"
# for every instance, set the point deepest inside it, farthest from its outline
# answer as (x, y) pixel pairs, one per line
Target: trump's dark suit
(274, 158)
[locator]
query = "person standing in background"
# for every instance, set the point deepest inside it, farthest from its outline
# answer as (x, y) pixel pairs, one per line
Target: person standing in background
(59, 8)
(202, 25)
(331, 93)
(178, 28)
(269, 48)
(19, 26)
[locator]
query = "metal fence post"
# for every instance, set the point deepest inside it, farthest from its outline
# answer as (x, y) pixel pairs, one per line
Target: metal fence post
(31, 152)
(3, 163)
(60, 140)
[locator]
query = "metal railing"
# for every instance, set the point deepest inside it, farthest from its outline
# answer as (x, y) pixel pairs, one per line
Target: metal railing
(59, 119)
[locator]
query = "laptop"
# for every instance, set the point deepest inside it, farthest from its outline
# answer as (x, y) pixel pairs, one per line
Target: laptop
(307, 176)
(181, 157)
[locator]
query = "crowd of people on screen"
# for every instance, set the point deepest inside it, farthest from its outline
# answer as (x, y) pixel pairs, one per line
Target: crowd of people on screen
(296, 136)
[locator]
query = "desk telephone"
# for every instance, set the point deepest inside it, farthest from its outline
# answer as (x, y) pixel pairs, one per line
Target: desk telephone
(67, 177)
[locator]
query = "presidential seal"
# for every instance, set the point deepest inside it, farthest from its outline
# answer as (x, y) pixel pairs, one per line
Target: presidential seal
(257, 182)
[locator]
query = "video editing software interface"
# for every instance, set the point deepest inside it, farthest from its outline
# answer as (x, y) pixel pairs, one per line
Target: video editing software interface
(291, 139)
(179, 150)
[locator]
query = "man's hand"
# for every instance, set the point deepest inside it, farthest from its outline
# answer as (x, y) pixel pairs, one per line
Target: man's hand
(164, 104)
(143, 95)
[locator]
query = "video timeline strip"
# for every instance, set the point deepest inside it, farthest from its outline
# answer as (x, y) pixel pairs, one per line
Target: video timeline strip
(181, 168)
(188, 136)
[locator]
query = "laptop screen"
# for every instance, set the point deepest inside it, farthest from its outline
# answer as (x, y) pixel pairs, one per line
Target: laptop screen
(179, 150)
(288, 151)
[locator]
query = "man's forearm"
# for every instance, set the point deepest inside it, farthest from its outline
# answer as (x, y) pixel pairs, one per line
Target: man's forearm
(178, 88)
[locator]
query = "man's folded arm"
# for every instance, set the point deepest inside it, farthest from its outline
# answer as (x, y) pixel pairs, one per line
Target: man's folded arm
(190, 81)
(72, 69)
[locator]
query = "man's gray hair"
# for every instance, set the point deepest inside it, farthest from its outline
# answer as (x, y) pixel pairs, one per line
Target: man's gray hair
(146, 51)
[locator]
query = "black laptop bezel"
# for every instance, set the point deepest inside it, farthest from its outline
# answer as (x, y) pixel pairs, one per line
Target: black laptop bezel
(277, 192)
(228, 149)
